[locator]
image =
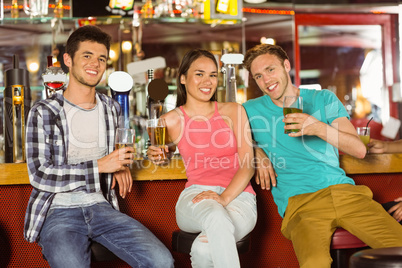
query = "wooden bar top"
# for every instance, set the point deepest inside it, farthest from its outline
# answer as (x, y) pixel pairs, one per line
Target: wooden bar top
(144, 170)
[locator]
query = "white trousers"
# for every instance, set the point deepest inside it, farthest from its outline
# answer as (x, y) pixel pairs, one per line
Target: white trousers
(220, 226)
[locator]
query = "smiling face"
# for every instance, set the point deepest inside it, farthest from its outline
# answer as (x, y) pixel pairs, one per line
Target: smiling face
(271, 76)
(201, 79)
(88, 64)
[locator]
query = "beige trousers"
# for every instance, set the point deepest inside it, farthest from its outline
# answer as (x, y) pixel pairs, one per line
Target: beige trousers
(311, 219)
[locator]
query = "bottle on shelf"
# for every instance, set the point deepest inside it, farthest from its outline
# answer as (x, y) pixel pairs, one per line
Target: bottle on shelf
(147, 11)
(15, 12)
(59, 9)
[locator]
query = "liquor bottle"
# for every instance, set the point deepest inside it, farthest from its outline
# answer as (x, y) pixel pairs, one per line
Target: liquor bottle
(147, 10)
(15, 13)
(222, 6)
(58, 10)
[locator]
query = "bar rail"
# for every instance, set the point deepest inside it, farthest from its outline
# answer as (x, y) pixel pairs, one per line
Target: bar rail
(144, 170)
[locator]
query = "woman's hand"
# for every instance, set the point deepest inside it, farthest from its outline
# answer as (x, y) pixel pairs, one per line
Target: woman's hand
(209, 195)
(377, 146)
(154, 154)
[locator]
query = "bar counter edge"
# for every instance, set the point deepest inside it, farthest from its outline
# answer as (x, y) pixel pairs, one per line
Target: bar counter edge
(144, 170)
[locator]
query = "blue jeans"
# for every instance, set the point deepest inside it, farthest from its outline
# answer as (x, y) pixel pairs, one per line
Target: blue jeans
(66, 234)
(220, 227)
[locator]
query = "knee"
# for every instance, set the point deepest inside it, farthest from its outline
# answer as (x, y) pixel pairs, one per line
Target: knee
(163, 258)
(65, 258)
(217, 219)
(164, 261)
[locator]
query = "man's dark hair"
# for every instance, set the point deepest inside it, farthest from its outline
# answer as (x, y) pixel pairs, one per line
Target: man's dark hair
(262, 49)
(87, 33)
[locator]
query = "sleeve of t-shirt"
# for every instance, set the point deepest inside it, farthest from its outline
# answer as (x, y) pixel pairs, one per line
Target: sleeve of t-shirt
(334, 108)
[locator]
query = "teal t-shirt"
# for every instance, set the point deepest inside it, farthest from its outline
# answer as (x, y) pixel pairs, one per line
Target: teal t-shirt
(304, 164)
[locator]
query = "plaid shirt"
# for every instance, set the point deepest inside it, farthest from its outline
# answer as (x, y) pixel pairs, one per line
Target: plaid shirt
(46, 150)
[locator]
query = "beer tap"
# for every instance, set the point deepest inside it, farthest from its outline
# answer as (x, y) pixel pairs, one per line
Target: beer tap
(120, 84)
(17, 102)
(229, 74)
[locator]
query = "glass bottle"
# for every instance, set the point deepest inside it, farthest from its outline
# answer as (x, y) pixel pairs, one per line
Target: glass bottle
(147, 10)
(15, 13)
(58, 10)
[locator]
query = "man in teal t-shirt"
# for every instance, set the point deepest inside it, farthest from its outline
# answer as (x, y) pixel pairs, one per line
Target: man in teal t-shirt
(313, 194)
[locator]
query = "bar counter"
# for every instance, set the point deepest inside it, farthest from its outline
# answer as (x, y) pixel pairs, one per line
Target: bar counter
(144, 170)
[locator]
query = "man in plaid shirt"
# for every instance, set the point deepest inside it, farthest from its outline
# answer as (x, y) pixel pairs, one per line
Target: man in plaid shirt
(74, 168)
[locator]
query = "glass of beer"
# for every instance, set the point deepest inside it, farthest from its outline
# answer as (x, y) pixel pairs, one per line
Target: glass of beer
(157, 133)
(125, 137)
(364, 135)
(292, 104)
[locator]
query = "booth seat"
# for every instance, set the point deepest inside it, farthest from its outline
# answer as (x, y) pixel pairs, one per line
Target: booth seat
(152, 202)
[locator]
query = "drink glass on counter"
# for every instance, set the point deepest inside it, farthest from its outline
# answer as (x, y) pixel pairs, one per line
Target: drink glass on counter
(292, 104)
(157, 134)
(125, 137)
(364, 135)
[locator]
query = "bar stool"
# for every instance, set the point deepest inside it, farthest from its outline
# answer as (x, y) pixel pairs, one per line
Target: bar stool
(377, 258)
(342, 240)
(182, 242)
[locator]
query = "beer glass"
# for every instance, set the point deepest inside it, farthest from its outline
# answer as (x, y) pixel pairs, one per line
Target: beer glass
(292, 104)
(157, 134)
(125, 137)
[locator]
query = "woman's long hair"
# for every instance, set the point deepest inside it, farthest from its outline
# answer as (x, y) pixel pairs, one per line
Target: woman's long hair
(185, 64)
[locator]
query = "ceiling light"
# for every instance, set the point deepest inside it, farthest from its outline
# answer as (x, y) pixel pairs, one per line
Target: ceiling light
(113, 55)
(126, 46)
(33, 67)
(269, 41)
